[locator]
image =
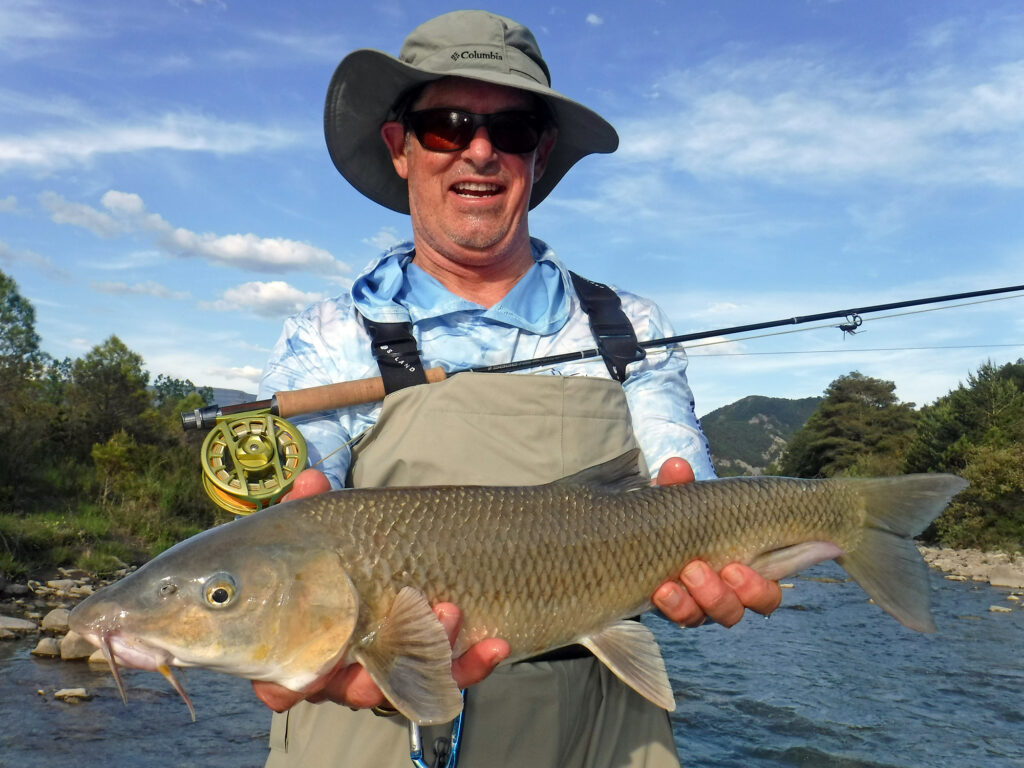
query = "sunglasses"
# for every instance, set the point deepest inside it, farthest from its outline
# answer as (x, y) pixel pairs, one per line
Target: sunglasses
(515, 132)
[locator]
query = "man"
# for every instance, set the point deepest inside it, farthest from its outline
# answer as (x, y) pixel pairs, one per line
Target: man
(464, 133)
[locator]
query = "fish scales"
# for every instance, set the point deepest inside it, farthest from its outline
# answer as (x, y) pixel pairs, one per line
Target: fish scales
(290, 592)
(529, 564)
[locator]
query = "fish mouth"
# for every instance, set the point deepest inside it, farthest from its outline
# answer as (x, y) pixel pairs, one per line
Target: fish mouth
(133, 654)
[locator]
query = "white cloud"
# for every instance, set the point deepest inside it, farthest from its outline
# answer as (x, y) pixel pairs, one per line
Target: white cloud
(238, 377)
(126, 212)
(48, 150)
(149, 288)
(8, 204)
(32, 259)
(385, 238)
(594, 20)
(80, 215)
(792, 118)
(273, 299)
(28, 20)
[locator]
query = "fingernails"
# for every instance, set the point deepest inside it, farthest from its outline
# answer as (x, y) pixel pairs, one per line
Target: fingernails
(733, 577)
(694, 574)
(666, 597)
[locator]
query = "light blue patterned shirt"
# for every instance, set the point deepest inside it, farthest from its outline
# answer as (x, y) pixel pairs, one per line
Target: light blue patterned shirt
(540, 316)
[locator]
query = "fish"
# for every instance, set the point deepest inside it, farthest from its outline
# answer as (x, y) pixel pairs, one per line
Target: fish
(292, 591)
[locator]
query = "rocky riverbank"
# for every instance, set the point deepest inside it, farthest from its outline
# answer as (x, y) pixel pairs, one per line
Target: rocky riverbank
(996, 568)
(41, 609)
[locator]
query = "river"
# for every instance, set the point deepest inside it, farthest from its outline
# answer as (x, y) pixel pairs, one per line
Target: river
(826, 682)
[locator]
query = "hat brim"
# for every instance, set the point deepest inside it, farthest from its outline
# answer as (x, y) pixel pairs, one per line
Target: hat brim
(366, 85)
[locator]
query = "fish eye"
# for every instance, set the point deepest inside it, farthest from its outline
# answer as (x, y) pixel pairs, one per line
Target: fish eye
(220, 590)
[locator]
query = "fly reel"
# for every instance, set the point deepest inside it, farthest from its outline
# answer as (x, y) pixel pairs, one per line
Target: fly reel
(250, 460)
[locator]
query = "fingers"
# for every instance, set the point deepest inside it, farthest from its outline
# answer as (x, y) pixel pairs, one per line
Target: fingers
(754, 591)
(480, 659)
(672, 599)
(276, 697)
(308, 482)
(675, 471)
(723, 598)
(352, 685)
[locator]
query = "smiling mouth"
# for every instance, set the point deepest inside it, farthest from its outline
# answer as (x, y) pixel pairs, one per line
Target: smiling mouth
(476, 189)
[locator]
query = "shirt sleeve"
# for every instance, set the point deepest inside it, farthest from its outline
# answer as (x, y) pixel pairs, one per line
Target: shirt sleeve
(660, 402)
(298, 361)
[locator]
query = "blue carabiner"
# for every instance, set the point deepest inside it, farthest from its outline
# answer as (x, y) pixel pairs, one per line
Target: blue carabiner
(416, 744)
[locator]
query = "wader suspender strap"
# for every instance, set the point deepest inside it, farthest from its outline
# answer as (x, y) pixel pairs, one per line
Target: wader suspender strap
(398, 358)
(616, 339)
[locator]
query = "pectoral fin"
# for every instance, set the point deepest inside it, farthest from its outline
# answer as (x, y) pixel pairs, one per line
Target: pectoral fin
(410, 659)
(629, 649)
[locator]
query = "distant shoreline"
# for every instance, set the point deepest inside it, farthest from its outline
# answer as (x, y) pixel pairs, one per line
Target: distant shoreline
(996, 568)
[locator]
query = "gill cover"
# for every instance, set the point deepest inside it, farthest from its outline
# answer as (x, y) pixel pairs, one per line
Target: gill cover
(309, 631)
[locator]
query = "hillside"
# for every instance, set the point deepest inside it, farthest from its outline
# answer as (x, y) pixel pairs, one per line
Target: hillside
(748, 435)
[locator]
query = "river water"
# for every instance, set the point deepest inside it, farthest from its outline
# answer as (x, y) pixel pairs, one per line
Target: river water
(826, 682)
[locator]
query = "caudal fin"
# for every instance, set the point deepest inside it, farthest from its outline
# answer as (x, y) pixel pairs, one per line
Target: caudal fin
(886, 562)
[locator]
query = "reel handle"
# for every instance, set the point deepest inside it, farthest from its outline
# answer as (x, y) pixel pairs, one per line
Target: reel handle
(297, 402)
(330, 396)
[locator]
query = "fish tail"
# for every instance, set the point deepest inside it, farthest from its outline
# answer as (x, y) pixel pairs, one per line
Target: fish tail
(886, 563)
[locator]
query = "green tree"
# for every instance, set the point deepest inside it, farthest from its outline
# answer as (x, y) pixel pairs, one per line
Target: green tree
(990, 513)
(23, 416)
(988, 410)
(107, 393)
(20, 357)
(859, 428)
(168, 391)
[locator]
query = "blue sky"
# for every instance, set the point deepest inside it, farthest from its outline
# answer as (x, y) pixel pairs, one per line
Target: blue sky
(163, 175)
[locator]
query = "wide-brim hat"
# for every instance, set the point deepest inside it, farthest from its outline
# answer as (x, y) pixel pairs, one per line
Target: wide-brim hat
(472, 44)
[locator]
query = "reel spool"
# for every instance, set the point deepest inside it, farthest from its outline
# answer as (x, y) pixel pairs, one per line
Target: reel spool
(250, 460)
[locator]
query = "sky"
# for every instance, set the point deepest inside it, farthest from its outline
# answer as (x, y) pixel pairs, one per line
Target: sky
(164, 178)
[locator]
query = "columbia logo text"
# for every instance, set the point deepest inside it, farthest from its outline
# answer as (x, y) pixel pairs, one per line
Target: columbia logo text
(457, 55)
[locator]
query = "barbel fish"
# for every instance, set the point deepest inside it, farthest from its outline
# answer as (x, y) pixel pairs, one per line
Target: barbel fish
(289, 592)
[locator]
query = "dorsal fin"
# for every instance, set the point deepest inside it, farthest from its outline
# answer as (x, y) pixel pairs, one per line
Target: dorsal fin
(627, 472)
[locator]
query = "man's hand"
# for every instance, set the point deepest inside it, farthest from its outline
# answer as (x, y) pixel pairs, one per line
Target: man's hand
(352, 685)
(705, 594)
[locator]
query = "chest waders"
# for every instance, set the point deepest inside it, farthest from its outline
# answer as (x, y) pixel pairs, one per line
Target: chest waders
(562, 712)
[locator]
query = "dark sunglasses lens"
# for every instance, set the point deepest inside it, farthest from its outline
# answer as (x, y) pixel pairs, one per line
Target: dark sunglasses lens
(514, 132)
(442, 130)
(449, 130)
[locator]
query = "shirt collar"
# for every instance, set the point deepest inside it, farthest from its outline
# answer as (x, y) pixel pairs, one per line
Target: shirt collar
(392, 289)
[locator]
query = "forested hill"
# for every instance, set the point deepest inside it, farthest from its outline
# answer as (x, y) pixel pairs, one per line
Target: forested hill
(748, 435)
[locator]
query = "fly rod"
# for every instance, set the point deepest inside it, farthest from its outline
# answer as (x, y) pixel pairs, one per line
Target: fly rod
(342, 394)
(252, 454)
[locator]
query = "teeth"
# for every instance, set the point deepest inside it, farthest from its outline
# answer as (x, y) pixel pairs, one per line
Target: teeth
(475, 187)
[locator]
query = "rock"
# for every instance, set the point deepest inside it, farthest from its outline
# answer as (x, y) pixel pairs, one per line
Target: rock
(72, 695)
(61, 584)
(999, 609)
(74, 573)
(48, 647)
(17, 625)
(83, 590)
(97, 657)
(56, 620)
(6, 634)
(74, 647)
(1007, 576)
(16, 590)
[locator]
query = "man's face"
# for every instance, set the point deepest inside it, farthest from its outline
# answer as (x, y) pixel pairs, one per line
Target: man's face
(469, 206)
